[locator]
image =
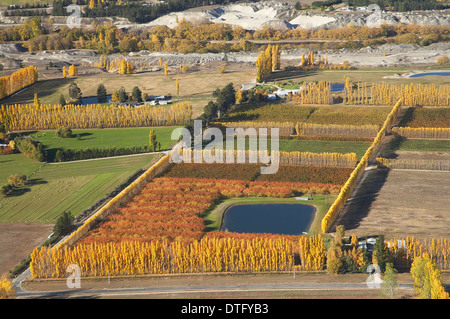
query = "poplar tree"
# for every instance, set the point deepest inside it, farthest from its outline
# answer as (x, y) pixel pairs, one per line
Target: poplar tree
(152, 140)
(36, 102)
(389, 282)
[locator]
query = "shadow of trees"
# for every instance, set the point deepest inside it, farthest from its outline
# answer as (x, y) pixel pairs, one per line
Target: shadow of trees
(359, 206)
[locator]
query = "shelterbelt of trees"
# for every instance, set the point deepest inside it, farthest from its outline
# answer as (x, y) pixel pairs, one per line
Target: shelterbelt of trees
(202, 37)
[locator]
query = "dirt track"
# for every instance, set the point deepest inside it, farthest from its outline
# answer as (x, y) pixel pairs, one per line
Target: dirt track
(275, 285)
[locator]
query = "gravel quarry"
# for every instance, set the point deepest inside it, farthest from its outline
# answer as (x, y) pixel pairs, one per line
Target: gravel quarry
(252, 16)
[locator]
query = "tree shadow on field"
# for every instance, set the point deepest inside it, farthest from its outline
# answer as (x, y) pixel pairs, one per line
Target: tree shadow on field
(36, 181)
(43, 88)
(359, 207)
(287, 75)
(27, 187)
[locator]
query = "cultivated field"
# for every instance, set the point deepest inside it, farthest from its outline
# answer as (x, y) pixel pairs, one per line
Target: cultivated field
(401, 202)
(72, 186)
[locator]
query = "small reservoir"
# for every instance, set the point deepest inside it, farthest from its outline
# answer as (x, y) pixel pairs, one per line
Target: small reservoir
(94, 100)
(419, 75)
(285, 219)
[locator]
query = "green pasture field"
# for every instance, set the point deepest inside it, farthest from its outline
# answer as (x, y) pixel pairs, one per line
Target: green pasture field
(416, 145)
(104, 138)
(426, 117)
(54, 188)
(316, 146)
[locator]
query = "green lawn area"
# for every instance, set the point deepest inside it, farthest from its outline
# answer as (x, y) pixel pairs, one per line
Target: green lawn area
(419, 145)
(16, 164)
(54, 188)
(103, 138)
(213, 217)
(317, 146)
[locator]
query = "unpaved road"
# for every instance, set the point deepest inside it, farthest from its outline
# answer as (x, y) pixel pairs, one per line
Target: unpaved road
(263, 285)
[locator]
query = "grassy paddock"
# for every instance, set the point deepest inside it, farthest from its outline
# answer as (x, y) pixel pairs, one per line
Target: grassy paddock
(104, 138)
(213, 216)
(54, 188)
(313, 146)
(399, 144)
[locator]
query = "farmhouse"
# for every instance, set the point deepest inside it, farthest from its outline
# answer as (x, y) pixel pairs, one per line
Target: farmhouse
(284, 93)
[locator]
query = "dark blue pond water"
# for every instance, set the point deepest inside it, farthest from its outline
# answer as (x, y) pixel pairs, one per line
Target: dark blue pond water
(419, 75)
(286, 219)
(93, 100)
(337, 87)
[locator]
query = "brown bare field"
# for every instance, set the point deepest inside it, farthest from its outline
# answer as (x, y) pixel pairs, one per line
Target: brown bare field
(196, 86)
(17, 241)
(400, 203)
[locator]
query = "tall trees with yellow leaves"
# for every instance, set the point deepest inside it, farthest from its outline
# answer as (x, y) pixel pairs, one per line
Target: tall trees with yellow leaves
(427, 279)
(264, 65)
(73, 70)
(275, 57)
(23, 117)
(18, 80)
(414, 94)
(6, 288)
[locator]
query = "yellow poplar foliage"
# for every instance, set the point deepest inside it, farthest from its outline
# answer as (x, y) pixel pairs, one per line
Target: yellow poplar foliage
(427, 279)
(423, 132)
(73, 70)
(314, 93)
(275, 57)
(121, 66)
(414, 94)
(239, 96)
(18, 80)
(358, 172)
(264, 65)
(312, 253)
(6, 288)
(162, 257)
(403, 251)
(24, 117)
(318, 159)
